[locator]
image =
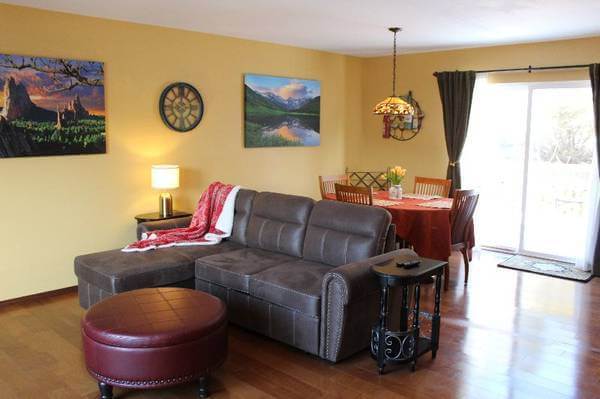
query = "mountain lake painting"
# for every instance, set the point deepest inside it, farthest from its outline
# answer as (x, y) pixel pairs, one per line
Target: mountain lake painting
(51, 106)
(281, 112)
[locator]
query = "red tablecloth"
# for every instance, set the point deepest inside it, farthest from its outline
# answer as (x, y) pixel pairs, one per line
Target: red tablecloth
(426, 229)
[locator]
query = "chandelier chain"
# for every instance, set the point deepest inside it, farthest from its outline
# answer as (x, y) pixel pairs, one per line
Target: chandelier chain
(394, 69)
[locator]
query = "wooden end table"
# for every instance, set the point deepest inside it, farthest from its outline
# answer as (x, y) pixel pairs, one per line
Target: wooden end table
(155, 216)
(407, 344)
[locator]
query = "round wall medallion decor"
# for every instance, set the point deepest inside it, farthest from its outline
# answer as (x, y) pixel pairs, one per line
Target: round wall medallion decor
(404, 127)
(181, 107)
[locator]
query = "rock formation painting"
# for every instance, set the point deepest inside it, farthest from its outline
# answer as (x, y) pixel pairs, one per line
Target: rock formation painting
(51, 106)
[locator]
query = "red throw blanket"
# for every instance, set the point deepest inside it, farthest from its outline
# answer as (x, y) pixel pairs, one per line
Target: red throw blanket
(212, 221)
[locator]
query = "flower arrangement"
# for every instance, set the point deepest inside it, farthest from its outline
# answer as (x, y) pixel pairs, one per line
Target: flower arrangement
(395, 175)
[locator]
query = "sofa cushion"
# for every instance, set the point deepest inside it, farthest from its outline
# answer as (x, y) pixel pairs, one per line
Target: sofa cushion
(295, 285)
(116, 271)
(234, 269)
(339, 233)
(278, 222)
(243, 207)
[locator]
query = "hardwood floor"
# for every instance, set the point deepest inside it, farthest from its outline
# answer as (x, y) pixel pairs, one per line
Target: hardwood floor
(508, 334)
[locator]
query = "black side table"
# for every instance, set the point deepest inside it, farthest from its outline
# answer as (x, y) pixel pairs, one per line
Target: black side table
(154, 216)
(407, 344)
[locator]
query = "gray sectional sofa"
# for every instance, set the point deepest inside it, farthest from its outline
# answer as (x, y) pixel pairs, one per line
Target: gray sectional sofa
(294, 269)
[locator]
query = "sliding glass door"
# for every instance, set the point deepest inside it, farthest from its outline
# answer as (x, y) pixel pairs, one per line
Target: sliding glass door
(529, 151)
(493, 160)
(559, 170)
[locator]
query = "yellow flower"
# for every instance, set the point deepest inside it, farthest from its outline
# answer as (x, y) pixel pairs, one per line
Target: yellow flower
(399, 171)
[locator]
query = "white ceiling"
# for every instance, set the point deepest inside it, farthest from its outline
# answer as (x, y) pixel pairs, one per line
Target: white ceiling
(356, 27)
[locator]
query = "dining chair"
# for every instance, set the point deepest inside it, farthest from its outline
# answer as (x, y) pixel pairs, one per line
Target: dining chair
(461, 222)
(327, 183)
(431, 186)
(354, 195)
(372, 179)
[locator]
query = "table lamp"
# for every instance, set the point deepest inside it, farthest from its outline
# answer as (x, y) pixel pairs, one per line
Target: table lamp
(165, 177)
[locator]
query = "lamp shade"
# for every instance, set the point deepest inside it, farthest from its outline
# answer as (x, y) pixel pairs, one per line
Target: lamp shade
(394, 105)
(165, 177)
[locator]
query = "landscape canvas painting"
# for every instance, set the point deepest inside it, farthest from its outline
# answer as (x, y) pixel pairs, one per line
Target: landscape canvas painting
(51, 106)
(281, 112)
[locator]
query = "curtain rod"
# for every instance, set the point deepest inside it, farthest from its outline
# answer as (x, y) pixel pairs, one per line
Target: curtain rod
(530, 68)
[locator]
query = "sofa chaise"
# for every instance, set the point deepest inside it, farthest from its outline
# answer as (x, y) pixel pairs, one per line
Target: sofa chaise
(294, 270)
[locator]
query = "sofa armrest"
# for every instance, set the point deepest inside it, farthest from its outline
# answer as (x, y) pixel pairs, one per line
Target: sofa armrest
(162, 225)
(390, 239)
(350, 297)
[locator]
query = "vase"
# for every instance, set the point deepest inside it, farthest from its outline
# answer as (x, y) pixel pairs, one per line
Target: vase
(396, 191)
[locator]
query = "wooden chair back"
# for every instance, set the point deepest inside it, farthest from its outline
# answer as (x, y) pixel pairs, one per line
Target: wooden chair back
(354, 195)
(373, 179)
(431, 186)
(461, 214)
(327, 183)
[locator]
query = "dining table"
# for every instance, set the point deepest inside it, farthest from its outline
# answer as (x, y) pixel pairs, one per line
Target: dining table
(422, 222)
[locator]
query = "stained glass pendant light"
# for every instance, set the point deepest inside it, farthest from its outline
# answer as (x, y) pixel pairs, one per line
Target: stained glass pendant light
(394, 105)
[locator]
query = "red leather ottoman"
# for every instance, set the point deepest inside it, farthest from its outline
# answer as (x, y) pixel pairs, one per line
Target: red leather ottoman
(154, 338)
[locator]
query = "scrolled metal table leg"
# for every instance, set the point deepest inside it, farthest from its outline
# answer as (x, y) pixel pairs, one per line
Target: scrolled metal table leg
(404, 309)
(382, 327)
(435, 322)
(416, 331)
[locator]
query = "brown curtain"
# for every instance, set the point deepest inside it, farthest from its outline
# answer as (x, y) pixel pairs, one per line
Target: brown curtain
(456, 93)
(595, 80)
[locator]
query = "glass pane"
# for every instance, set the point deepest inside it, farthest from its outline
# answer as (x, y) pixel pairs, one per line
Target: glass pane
(493, 160)
(559, 171)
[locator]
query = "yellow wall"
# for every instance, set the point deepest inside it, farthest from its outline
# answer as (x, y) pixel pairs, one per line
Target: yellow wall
(54, 208)
(426, 155)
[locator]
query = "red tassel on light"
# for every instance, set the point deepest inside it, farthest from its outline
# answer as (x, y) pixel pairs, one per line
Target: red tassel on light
(386, 127)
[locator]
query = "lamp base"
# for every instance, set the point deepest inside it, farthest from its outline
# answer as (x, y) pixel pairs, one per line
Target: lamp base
(165, 205)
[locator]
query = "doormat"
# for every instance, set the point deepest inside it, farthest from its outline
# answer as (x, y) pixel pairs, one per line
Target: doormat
(546, 267)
